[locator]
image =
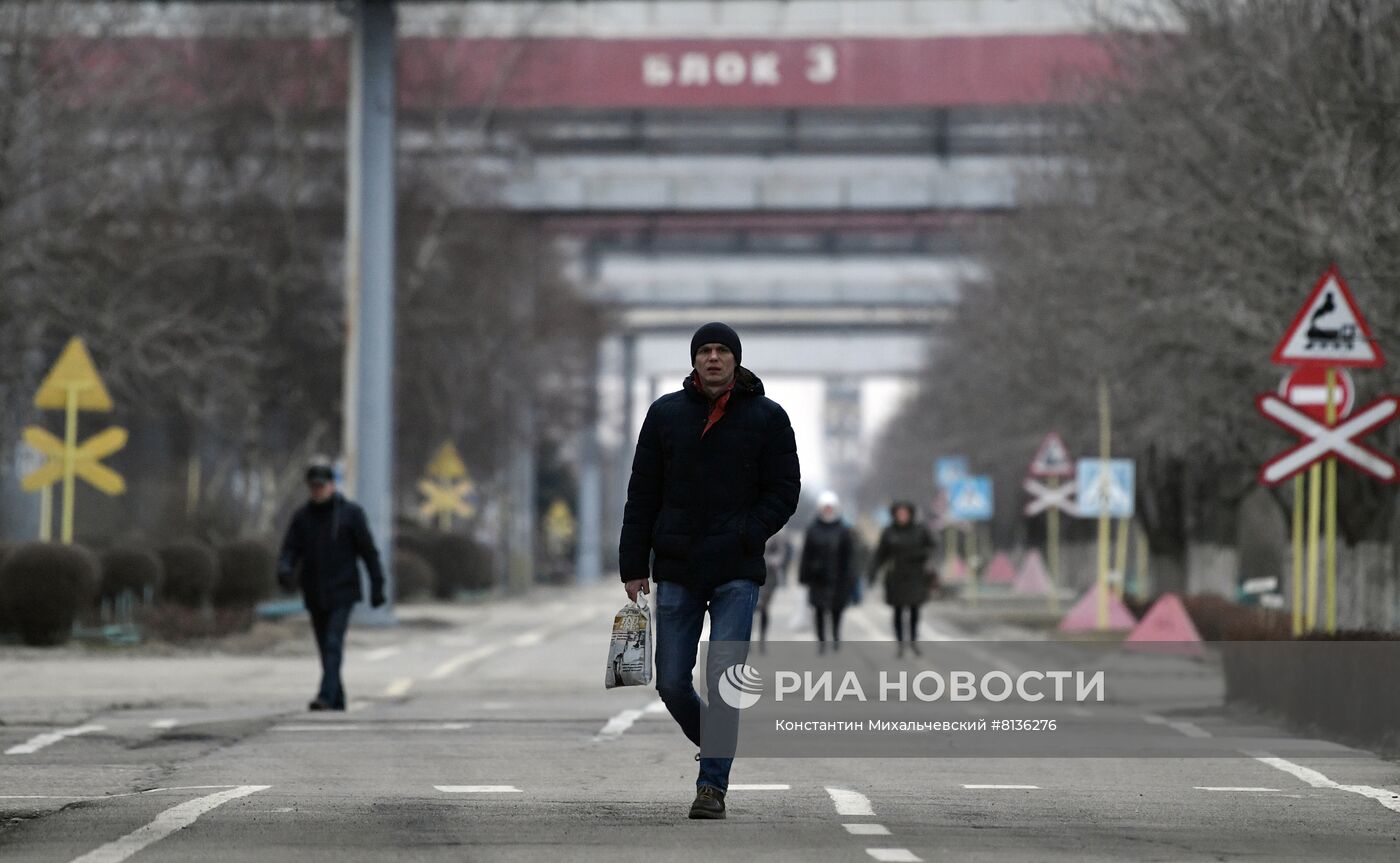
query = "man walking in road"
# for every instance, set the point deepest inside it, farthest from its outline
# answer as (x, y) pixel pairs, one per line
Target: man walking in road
(714, 476)
(319, 553)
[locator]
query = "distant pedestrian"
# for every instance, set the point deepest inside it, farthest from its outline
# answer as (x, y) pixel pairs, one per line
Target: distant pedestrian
(777, 557)
(903, 553)
(828, 568)
(326, 537)
(714, 476)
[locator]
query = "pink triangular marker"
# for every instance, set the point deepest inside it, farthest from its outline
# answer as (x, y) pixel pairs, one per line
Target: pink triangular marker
(1167, 621)
(1084, 617)
(1032, 580)
(1000, 570)
(955, 572)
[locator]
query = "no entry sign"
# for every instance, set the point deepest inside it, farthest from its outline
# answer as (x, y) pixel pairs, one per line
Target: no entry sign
(1306, 390)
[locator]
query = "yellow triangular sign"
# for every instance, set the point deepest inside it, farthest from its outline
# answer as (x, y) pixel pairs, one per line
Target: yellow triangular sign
(447, 464)
(73, 371)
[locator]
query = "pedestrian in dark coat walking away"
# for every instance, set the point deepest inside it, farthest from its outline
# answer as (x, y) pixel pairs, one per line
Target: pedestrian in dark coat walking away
(777, 556)
(328, 534)
(828, 568)
(714, 476)
(903, 553)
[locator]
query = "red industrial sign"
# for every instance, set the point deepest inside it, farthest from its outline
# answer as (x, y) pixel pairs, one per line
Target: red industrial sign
(1320, 441)
(1306, 389)
(1329, 330)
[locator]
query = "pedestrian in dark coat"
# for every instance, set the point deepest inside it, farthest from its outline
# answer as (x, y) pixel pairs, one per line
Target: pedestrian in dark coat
(828, 568)
(714, 476)
(326, 538)
(903, 553)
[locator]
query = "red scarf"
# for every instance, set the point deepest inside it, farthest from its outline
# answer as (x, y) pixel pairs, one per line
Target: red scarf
(717, 406)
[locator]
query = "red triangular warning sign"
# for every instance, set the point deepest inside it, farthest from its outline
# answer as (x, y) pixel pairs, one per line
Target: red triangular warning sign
(1052, 459)
(1329, 330)
(1032, 580)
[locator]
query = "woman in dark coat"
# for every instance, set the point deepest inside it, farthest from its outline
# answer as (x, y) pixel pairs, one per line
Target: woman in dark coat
(827, 568)
(904, 551)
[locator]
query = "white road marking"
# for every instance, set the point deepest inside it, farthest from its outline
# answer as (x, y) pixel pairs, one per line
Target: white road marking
(1080, 711)
(385, 726)
(528, 639)
(1190, 729)
(867, 829)
(112, 796)
(1002, 787)
(399, 687)
(165, 723)
(624, 720)
(457, 663)
(34, 744)
(894, 855)
(1232, 788)
(379, 654)
(478, 789)
(356, 706)
(850, 802)
(173, 819)
(773, 786)
(1384, 796)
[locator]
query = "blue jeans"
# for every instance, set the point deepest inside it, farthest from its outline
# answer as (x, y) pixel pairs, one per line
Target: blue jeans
(329, 625)
(680, 615)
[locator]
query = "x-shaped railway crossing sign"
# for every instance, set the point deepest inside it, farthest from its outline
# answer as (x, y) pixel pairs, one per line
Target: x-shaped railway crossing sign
(87, 459)
(1321, 441)
(446, 498)
(1044, 497)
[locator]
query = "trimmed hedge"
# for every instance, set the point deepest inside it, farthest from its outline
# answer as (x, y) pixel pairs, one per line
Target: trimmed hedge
(413, 576)
(247, 574)
(459, 563)
(127, 568)
(191, 568)
(43, 587)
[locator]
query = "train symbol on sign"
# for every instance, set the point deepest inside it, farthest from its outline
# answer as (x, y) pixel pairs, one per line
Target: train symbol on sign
(1343, 337)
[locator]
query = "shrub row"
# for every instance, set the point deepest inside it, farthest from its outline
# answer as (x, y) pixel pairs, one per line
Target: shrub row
(457, 563)
(45, 587)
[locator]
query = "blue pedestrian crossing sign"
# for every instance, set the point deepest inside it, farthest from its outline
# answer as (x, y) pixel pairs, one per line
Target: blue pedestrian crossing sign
(948, 470)
(1103, 492)
(970, 499)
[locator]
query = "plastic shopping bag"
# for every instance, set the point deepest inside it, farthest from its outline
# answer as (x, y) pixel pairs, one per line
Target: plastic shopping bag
(629, 653)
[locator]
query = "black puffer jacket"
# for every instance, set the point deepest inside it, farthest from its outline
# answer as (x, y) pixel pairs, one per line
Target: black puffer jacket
(903, 553)
(828, 564)
(320, 549)
(706, 506)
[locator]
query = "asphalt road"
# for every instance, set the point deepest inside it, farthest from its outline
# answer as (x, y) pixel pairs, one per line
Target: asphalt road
(484, 733)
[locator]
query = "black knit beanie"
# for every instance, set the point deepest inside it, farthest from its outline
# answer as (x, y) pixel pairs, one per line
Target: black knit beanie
(716, 333)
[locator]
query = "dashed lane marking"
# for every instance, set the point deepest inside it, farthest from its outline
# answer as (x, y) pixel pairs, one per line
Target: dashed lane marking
(457, 663)
(894, 855)
(381, 726)
(48, 738)
(1002, 787)
(379, 654)
(171, 820)
(850, 803)
(164, 724)
(1384, 796)
(478, 789)
(1231, 788)
(1190, 729)
(867, 829)
(399, 688)
(619, 724)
